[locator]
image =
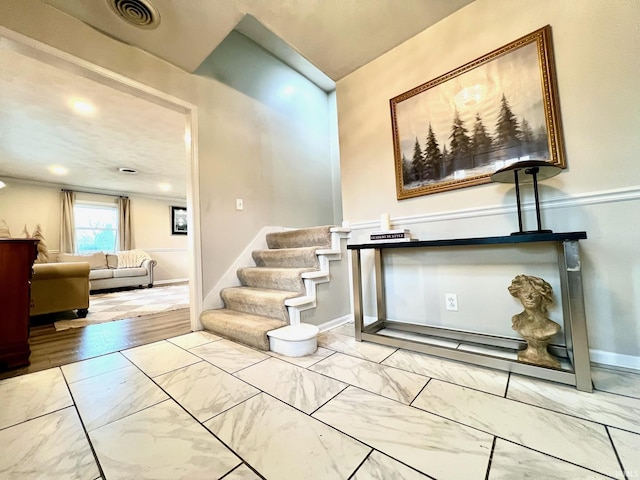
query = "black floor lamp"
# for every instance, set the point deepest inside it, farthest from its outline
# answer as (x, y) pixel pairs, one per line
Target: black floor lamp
(527, 171)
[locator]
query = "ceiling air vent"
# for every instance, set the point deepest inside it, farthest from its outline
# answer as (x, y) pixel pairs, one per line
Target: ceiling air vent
(139, 13)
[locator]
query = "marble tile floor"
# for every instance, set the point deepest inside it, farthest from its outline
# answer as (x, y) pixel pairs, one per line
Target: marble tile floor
(202, 407)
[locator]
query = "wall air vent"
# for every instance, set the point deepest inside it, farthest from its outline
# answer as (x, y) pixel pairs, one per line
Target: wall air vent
(139, 13)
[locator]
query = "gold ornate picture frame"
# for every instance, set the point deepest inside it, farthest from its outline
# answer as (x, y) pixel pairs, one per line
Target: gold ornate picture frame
(456, 130)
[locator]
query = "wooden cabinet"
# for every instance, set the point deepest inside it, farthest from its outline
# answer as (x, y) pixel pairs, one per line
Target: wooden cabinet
(16, 261)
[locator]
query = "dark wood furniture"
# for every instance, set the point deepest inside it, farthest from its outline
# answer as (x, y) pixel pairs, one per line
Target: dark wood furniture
(16, 261)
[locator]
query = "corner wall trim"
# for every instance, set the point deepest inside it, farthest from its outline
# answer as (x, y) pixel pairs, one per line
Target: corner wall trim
(615, 359)
(336, 322)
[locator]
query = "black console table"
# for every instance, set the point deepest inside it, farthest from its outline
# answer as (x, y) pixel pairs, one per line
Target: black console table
(575, 325)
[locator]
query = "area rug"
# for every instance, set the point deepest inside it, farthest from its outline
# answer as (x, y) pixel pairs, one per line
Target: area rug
(107, 307)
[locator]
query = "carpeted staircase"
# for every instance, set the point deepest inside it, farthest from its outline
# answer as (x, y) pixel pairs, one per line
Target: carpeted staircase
(280, 279)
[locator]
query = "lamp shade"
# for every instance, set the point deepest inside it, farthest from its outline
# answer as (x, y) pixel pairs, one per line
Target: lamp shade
(544, 170)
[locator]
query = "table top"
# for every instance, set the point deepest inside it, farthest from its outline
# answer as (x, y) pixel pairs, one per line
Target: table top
(507, 239)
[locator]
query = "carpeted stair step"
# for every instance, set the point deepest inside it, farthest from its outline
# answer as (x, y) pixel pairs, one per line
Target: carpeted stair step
(289, 279)
(304, 237)
(258, 301)
(241, 327)
(304, 257)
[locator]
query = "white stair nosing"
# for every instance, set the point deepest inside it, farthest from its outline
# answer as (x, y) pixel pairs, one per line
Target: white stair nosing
(300, 301)
(316, 274)
(327, 251)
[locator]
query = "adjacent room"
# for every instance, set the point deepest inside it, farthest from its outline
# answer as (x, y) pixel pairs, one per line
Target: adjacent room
(319, 240)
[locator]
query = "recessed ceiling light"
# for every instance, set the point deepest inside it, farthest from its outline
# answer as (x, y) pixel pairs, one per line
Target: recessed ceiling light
(2, 184)
(165, 187)
(58, 170)
(82, 106)
(128, 170)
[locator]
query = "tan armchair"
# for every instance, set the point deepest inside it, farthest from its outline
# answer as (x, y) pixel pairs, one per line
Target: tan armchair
(58, 287)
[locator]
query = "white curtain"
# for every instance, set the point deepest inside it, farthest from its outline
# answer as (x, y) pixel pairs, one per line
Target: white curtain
(67, 224)
(124, 223)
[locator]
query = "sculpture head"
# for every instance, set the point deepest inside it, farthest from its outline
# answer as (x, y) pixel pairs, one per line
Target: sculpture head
(533, 292)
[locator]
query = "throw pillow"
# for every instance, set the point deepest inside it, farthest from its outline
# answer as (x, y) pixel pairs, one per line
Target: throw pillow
(97, 261)
(4, 230)
(43, 251)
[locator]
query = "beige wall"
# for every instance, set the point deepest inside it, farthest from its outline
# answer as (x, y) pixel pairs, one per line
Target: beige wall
(31, 205)
(246, 149)
(24, 204)
(596, 50)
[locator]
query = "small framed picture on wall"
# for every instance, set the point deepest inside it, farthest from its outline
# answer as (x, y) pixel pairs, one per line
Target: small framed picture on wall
(179, 221)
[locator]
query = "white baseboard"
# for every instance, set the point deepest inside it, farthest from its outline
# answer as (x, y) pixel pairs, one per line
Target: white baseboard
(336, 322)
(615, 359)
(174, 280)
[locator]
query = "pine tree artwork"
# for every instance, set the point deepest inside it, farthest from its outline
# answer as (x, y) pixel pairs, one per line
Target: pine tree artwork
(461, 127)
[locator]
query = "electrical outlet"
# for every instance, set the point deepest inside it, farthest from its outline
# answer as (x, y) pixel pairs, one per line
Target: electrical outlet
(239, 204)
(451, 301)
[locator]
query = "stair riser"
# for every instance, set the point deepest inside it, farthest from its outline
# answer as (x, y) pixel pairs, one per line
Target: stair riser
(275, 259)
(269, 308)
(307, 237)
(246, 330)
(256, 279)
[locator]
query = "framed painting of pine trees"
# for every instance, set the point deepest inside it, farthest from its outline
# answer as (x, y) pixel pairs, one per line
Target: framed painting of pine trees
(458, 129)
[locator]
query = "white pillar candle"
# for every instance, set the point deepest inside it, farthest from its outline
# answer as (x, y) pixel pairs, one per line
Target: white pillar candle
(385, 222)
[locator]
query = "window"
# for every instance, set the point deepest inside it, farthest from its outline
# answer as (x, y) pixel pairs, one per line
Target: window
(96, 227)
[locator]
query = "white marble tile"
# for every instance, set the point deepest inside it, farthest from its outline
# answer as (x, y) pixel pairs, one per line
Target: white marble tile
(242, 473)
(348, 345)
(161, 442)
(433, 445)
(627, 445)
(160, 357)
(301, 388)
(29, 396)
(108, 397)
(94, 366)
(204, 389)
(228, 356)
(378, 466)
(571, 439)
(616, 381)
(389, 382)
(53, 446)
(193, 339)
(601, 407)
(283, 443)
(415, 337)
(511, 461)
(467, 375)
(307, 360)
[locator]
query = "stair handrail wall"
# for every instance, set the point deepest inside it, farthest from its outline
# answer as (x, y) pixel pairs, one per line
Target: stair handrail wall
(337, 251)
(213, 300)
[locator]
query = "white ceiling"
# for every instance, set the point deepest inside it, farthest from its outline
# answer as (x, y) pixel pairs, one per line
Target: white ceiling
(337, 36)
(38, 129)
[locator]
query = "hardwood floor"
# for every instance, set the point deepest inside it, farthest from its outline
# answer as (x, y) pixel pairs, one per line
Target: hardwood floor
(53, 349)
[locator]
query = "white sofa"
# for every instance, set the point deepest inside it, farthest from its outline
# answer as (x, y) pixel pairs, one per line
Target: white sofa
(105, 272)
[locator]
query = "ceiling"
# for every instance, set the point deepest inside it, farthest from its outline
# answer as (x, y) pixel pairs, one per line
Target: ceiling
(322, 39)
(39, 129)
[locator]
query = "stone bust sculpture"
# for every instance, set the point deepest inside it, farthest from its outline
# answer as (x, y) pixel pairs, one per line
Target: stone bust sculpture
(536, 328)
